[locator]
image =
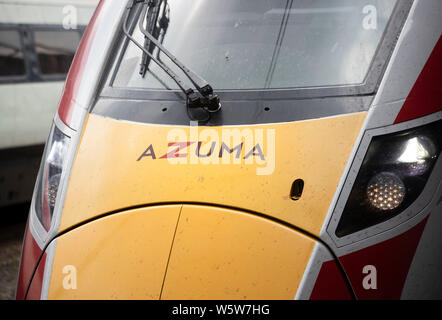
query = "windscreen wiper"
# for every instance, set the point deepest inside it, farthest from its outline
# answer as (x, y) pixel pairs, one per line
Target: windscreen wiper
(202, 98)
(152, 17)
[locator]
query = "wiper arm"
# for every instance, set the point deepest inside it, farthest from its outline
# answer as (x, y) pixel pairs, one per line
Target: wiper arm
(204, 98)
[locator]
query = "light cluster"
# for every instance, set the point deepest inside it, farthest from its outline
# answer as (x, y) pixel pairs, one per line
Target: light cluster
(385, 191)
(52, 190)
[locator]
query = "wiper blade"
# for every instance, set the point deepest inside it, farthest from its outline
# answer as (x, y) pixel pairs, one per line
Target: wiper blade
(202, 86)
(151, 25)
(204, 98)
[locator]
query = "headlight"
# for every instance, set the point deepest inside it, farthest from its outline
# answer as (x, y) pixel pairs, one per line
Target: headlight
(392, 176)
(385, 191)
(49, 176)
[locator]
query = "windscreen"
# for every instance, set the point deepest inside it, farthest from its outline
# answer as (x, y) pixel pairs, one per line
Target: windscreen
(261, 44)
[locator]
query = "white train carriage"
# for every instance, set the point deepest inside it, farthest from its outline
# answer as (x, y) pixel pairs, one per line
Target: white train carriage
(38, 39)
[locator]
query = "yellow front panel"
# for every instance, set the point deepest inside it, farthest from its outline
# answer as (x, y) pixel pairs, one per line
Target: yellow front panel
(179, 252)
(121, 256)
(223, 254)
(106, 175)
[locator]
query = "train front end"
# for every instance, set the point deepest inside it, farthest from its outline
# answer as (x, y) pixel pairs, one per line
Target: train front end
(244, 150)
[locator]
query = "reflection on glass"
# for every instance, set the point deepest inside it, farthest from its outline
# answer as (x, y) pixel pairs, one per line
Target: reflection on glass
(55, 50)
(256, 44)
(11, 56)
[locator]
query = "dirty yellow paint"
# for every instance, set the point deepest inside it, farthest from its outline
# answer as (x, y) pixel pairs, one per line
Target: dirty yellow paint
(106, 175)
(180, 252)
(223, 254)
(121, 256)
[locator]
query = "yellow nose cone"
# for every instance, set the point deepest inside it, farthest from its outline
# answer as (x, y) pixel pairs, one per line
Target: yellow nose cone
(121, 256)
(180, 252)
(224, 254)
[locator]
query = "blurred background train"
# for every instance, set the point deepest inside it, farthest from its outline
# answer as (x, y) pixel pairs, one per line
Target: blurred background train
(38, 40)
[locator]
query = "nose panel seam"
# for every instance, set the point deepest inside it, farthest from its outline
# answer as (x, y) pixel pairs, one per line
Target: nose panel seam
(170, 252)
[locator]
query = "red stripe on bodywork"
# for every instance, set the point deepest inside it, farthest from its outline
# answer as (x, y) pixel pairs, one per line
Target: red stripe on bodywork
(65, 108)
(35, 287)
(330, 284)
(391, 258)
(426, 95)
(29, 257)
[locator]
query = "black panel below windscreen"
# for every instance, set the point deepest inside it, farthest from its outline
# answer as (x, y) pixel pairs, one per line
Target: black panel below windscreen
(168, 112)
